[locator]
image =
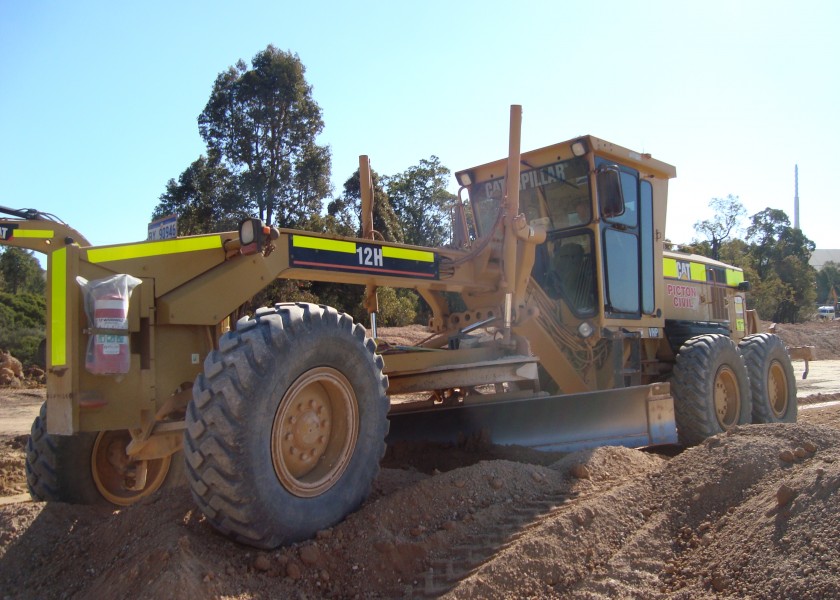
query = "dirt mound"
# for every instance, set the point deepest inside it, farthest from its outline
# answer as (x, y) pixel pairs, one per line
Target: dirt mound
(825, 335)
(752, 513)
(12, 466)
(735, 516)
(749, 514)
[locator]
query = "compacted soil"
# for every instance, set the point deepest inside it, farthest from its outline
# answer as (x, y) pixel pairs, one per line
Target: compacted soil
(753, 513)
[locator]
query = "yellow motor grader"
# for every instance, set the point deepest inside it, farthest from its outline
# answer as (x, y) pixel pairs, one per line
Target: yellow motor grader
(558, 322)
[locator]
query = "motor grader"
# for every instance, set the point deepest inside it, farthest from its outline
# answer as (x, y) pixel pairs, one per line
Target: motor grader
(558, 321)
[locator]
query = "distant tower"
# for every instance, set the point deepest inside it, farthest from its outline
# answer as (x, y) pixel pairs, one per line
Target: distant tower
(796, 197)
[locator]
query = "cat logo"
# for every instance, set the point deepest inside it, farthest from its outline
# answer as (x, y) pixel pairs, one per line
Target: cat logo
(683, 270)
(6, 231)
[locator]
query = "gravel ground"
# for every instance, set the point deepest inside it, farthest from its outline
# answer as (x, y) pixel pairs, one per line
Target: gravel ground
(749, 514)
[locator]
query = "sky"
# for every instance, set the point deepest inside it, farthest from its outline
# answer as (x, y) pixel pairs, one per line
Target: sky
(99, 100)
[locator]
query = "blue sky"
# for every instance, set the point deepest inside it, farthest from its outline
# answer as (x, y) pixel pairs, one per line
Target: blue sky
(99, 100)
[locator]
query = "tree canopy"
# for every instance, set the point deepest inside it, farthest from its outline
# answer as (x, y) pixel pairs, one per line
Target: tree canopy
(21, 272)
(774, 257)
(348, 207)
(260, 126)
(728, 213)
(828, 283)
(204, 198)
(261, 123)
(422, 203)
(23, 305)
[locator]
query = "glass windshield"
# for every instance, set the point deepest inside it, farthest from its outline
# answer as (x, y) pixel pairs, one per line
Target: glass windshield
(555, 195)
(565, 268)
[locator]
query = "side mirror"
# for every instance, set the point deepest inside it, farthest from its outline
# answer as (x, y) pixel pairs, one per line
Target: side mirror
(610, 197)
(255, 237)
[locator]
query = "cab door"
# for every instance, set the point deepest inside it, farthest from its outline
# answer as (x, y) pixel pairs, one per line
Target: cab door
(626, 224)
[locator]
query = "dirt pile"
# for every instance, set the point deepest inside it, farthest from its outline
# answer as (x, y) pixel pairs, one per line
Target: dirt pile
(749, 514)
(753, 513)
(734, 516)
(14, 375)
(825, 335)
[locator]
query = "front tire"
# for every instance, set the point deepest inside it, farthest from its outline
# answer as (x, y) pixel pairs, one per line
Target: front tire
(91, 468)
(287, 425)
(711, 388)
(772, 382)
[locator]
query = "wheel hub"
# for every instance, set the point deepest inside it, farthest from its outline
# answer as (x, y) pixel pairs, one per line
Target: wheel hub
(727, 397)
(314, 432)
(121, 480)
(308, 430)
(777, 393)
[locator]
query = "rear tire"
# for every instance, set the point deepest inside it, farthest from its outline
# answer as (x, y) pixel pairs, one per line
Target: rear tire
(287, 425)
(711, 388)
(772, 382)
(76, 468)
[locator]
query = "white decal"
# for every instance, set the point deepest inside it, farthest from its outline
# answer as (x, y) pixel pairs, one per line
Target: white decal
(683, 270)
(369, 257)
(542, 176)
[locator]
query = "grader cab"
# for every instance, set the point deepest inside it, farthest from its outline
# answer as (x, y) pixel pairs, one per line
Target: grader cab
(558, 322)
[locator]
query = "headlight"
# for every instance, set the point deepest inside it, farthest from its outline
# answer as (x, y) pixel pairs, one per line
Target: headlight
(585, 329)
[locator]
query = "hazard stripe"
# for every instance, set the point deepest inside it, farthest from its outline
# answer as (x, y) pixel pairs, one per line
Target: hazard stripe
(146, 249)
(669, 268)
(734, 277)
(58, 308)
(697, 272)
(361, 257)
(313, 243)
(38, 234)
(408, 254)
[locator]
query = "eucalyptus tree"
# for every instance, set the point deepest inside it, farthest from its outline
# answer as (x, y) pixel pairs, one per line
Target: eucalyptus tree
(728, 213)
(263, 122)
(422, 203)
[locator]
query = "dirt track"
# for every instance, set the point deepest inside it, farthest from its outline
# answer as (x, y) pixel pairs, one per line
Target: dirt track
(752, 513)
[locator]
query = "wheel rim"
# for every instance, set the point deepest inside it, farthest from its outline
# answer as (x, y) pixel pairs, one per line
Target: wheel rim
(119, 479)
(777, 389)
(727, 397)
(314, 432)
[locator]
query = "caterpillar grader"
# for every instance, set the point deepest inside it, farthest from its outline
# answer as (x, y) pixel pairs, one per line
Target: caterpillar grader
(558, 321)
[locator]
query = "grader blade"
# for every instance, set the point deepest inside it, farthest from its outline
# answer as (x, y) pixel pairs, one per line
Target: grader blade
(633, 417)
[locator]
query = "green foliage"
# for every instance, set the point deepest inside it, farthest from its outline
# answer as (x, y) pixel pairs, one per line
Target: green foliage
(728, 213)
(422, 203)
(735, 252)
(347, 209)
(262, 123)
(21, 272)
(396, 308)
(828, 279)
(774, 258)
(701, 248)
(785, 285)
(22, 324)
(204, 199)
